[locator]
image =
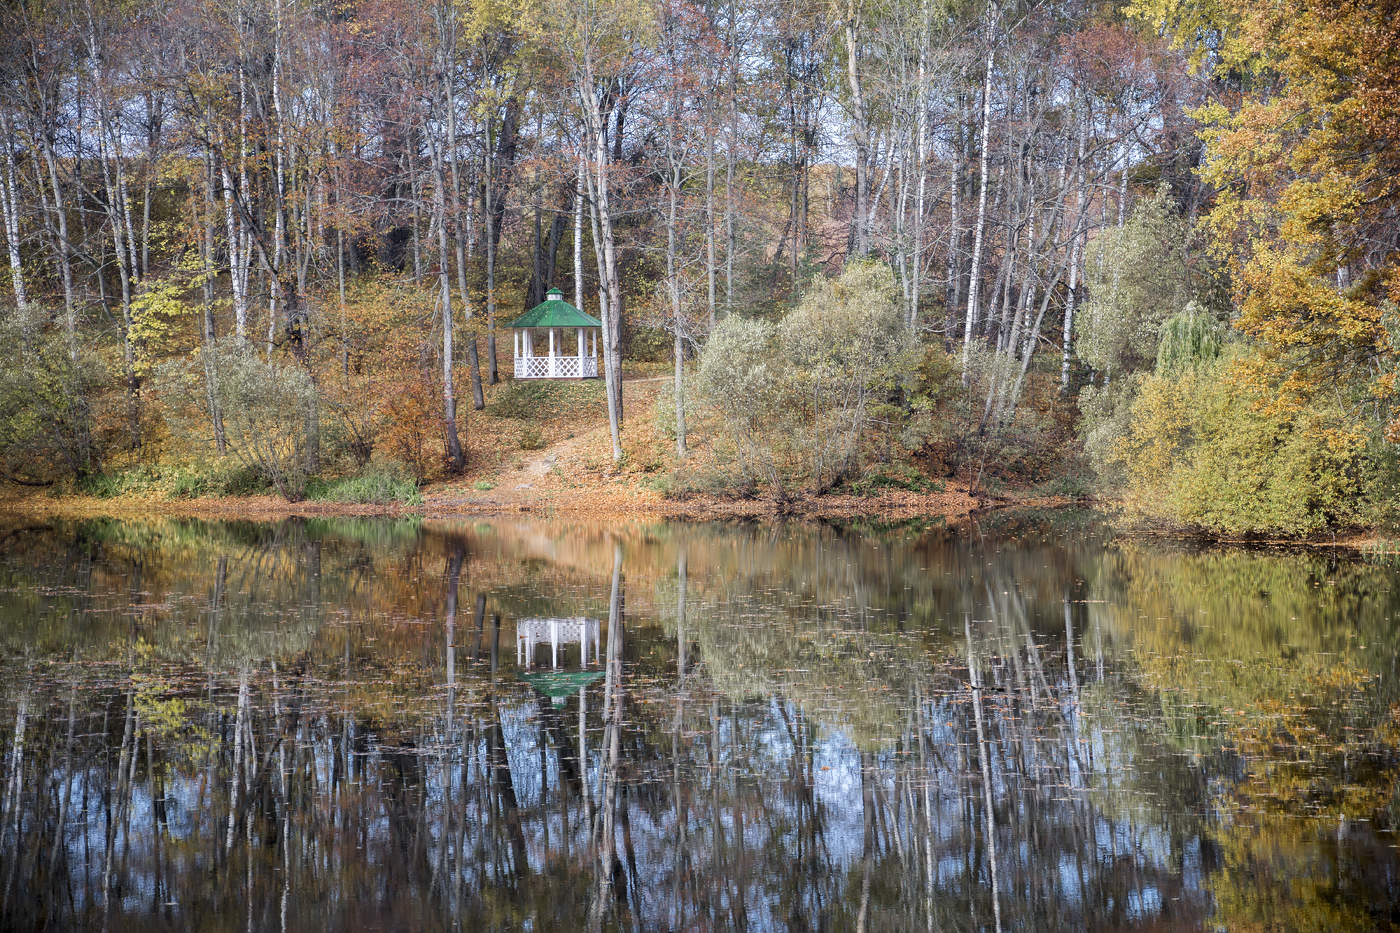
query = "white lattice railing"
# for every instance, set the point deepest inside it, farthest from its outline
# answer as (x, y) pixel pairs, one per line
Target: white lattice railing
(558, 367)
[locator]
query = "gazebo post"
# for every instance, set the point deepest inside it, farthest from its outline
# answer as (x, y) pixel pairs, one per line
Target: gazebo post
(552, 369)
(580, 352)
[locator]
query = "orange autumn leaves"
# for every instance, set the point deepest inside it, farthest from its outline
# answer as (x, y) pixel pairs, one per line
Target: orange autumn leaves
(381, 378)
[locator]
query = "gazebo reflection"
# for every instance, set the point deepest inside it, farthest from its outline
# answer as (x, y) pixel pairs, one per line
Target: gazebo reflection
(554, 683)
(531, 633)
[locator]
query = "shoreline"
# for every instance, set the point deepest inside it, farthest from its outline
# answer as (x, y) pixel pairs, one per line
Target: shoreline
(954, 506)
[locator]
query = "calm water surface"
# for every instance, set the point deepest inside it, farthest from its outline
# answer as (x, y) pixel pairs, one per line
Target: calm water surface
(366, 724)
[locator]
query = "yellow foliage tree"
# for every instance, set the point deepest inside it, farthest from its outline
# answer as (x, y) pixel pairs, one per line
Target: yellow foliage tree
(1303, 144)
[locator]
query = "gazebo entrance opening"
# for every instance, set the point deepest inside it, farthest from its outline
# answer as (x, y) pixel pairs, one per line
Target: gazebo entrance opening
(555, 340)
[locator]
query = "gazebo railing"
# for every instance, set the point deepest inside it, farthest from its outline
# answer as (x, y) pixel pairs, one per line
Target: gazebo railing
(556, 367)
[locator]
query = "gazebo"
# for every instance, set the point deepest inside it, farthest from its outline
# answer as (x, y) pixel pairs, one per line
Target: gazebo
(532, 632)
(551, 320)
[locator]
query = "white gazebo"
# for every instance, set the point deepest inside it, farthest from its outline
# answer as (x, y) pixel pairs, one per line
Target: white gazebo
(559, 326)
(530, 633)
(555, 683)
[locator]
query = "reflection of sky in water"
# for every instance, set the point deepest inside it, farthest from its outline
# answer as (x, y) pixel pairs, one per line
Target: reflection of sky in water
(819, 760)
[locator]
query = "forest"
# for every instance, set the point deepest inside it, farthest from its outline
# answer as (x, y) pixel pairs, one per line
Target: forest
(1141, 250)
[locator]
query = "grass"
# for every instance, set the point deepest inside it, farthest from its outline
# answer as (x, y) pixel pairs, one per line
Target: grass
(1068, 486)
(126, 482)
(189, 481)
(543, 399)
(1382, 551)
(376, 485)
(895, 476)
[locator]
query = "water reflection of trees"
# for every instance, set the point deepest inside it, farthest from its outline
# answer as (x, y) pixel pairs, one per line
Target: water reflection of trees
(796, 729)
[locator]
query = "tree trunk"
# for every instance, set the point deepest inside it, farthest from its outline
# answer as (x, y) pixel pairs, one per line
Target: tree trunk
(730, 156)
(447, 38)
(578, 235)
(673, 287)
(1075, 252)
(216, 415)
(116, 213)
(950, 291)
(860, 138)
(710, 215)
(920, 167)
(978, 232)
(456, 460)
(609, 283)
(9, 206)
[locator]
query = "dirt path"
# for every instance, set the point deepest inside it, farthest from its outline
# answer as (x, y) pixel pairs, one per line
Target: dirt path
(543, 461)
(573, 474)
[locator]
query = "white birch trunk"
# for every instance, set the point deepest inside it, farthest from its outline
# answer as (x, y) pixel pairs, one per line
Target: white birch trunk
(9, 205)
(970, 320)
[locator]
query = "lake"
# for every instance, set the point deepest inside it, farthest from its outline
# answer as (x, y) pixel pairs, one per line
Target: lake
(1028, 723)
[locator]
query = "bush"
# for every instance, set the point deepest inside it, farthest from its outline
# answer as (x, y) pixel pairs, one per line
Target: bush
(794, 398)
(666, 413)
(378, 484)
(222, 478)
(692, 479)
(1106, 415)
(895, 476)
(46, 403)
(1210, 449)
(135, 481)
(268, 409)
(531, 438)
(739, 378)
(1135, 275)
(928, 426)
(649, 344)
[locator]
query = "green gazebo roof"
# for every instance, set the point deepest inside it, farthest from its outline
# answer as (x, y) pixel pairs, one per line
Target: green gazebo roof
(560, 684)
(554, 311)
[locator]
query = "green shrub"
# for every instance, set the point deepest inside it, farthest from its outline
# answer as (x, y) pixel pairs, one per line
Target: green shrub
(1106, 416)
(1069, 485)
(666, 412)
(1210, 450)
(46, 403)
(895, 476)
(241, 479)
(536, 399)
(1189, 339)
(531, 438)
(221, 478)
(136, 481)
(1136, 276)
(377, 484)
(932, 388)
(268, 407)
(691, 479)
(794, 399)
